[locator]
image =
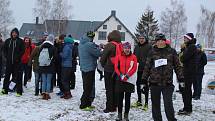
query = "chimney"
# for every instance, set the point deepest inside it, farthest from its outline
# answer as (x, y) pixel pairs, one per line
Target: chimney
(113, 13)
(37, 20)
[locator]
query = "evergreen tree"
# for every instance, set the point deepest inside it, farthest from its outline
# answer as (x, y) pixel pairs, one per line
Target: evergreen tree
(148, 25)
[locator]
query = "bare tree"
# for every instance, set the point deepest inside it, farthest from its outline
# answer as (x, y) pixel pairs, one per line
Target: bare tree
(60, 13)
(206, 28)
(6, 18)
(42, 10)
(173, 22)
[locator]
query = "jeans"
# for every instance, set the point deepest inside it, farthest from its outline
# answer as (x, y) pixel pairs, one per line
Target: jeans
(46, 82)
(37, 80)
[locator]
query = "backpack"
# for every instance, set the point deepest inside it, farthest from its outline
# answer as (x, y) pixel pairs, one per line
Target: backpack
(44, 57)
(118, 51)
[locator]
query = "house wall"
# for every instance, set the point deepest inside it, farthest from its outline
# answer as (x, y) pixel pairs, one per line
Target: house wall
(112, 25)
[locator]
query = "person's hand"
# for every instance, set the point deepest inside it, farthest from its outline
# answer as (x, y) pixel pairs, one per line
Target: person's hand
(142, 88)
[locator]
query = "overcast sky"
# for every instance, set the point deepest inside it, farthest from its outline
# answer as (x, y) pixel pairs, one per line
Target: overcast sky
(128, 11)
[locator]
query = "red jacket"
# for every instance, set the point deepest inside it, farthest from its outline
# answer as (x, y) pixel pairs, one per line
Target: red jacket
(27, 54)
(128, 65)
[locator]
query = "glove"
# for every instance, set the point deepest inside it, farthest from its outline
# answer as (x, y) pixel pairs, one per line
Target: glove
(181, 83)
(122, 76)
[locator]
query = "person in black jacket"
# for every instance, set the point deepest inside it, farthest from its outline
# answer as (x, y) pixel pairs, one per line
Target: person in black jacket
(1, 55)
(201, 62)
(13, 50)
(189, 61)
(141, 51)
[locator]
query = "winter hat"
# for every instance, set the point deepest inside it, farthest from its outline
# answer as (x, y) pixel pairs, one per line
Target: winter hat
(91, 34)
(126, 45)
(160, 37)
(189, 36)
(15, 30)
(68, 40)
(114, 36)
(199, 46)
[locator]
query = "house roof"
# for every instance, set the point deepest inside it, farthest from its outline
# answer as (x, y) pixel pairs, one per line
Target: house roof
(73, 27)
(113, 14)
(32, 30)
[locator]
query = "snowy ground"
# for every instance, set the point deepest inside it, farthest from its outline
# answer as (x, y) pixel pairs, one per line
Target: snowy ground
(32, 108)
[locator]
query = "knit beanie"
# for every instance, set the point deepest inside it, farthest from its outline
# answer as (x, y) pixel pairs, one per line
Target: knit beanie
(189, 36)
(126, 45)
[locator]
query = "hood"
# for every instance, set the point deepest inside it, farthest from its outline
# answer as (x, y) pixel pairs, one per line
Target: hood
(14, 30)
(85, 39)
(68, 40)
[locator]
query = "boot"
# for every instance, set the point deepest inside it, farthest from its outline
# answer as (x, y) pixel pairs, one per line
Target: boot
(48, 96)
(68, 95)
(44, 96)
(119, 117)
(126, 117)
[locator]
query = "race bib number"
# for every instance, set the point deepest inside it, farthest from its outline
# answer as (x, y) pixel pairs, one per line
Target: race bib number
(160, 62)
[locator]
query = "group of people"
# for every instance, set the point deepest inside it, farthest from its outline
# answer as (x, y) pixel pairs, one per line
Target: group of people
(149, 67)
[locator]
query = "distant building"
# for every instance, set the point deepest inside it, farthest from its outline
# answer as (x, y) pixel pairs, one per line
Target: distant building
(78, 28)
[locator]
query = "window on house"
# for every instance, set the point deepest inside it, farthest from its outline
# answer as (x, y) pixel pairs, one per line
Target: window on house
(104, 26)
(122, 36)
(119, 27)
(102, 35)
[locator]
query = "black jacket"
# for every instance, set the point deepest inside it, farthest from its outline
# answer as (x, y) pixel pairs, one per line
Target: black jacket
(201, 62)
(14, 48)
(189, 59)
(141, 51)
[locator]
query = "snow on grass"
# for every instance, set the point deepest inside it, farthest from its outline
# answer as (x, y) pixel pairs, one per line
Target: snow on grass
(32, 108)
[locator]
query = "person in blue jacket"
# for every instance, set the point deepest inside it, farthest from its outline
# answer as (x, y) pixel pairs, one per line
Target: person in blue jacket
(66, 64)
(89, 52)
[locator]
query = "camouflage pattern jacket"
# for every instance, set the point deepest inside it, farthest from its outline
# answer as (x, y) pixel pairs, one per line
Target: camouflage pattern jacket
(160, 65)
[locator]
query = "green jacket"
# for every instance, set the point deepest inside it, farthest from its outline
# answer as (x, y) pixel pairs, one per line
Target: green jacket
(34, 59)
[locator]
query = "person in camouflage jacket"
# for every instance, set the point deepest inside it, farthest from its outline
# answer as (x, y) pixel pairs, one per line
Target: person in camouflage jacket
(158, 71)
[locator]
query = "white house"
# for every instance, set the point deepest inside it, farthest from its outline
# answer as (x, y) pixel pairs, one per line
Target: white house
(110, 24)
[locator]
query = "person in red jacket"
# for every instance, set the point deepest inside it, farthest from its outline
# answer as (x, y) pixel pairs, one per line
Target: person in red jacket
(26, 69)
(125, 67)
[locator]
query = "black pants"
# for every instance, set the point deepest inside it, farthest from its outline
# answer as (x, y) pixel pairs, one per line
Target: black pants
(197, 86)
(1, 68)
(66, 77)
(88, 88)
(146, 88)
(100, 73)
(15, 70)
(187, 93)
(120, 96)
(111, 102)
(72, 80)
(167, 92)
(26, 70)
